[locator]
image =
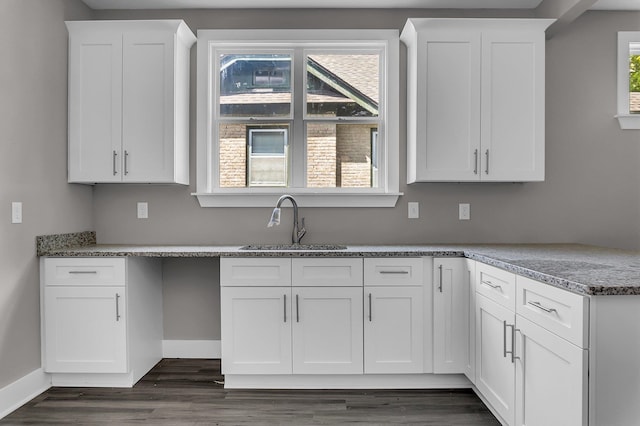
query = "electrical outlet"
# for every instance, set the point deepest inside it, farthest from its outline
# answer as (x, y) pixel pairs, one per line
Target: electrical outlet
(414, 209)
(16, 212)
(464, 211)
(143, 210)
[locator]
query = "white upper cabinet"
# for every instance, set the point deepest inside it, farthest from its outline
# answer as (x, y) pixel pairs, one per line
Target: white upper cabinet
(129, 101)
(475, 99)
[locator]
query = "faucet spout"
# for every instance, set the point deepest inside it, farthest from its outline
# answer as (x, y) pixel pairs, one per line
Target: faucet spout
(298, 231)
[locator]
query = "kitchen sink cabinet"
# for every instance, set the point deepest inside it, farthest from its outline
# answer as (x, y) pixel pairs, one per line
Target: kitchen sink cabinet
(256, 330)
(101, 320)
(327, 330)
(129, 101)
(475, 99)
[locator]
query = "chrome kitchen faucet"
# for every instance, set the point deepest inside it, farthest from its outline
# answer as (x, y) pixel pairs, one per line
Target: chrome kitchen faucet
(298, 232)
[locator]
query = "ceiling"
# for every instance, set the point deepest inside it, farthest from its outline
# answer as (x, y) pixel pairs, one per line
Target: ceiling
(274, 4)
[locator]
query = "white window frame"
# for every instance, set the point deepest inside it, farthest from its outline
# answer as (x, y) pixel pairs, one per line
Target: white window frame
(625, 119)
(211, 195)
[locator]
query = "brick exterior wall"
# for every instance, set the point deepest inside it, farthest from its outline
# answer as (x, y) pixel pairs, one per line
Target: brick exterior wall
(338, 155)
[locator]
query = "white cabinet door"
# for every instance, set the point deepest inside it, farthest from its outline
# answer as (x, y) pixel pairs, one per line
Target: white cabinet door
(85, 330)
(450, 315)
(256, 330)
(393, 330)
(470, 281)
(147, 106)
(551, 379)
(512, 106)
(95, 107)
(327, 330)
(495, 372)
(448, 122)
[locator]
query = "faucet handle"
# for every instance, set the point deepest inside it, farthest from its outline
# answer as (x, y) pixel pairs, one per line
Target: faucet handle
(301, 232)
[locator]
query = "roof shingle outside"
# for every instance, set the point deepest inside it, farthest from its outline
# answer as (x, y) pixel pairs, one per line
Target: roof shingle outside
(360, 71)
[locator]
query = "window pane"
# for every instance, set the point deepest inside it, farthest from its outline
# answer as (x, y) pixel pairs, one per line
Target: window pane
(341, 155)
(341, 85)
(634, 78)
(253, 155)
(255, 85)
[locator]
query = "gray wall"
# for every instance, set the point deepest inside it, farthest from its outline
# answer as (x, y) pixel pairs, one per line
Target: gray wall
(591, 193)
(33, 165)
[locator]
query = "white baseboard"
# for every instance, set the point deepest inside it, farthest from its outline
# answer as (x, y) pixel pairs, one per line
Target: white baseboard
(191, 349)
(18, 393)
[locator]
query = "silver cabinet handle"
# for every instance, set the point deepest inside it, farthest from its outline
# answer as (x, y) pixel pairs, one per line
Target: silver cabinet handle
(83, 272)
(512, 352)
(115, 162)
(544, 308)
(394, 272)
(492, 285)
(440, 284)
(486, 169)
(126, 162)
(297, 309)
(369, 307)
(117, 307)
(475, 162)
(284, 303)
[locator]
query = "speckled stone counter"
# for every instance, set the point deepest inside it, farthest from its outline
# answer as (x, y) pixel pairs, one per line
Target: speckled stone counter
(578, 268)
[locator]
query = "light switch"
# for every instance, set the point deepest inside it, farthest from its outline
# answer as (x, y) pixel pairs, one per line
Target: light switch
(464, 211)
(414, 209)
(143, 210)
(16, 212)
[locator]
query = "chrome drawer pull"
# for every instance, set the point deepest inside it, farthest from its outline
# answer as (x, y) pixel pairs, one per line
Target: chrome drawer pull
(284, 302)
(369, 307)
(117, 307)
(539, 306)
(440, 284)
(492, 285)
(83, 272)
(394, 272)
(297, 309)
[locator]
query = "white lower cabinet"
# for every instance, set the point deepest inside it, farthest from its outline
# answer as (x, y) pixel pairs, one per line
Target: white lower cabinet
(327, 330)
(551, 378)
(532, 355)
(450, 315)
(495, 372)
(85, 329)
(256, 330)
(101, 319)
(393, 330)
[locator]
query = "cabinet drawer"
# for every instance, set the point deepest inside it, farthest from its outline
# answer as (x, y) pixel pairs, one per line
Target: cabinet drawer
(393, 271)
(253, 271)
(561, 312)
(496, 284)
(327, 272)
(84, 271)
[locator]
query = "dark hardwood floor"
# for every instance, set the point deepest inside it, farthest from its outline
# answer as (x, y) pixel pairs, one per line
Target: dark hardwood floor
(188, 392)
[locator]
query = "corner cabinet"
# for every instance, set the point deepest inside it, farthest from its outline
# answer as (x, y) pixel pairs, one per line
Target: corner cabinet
(101, 320)
(129, 101)
(475, 99)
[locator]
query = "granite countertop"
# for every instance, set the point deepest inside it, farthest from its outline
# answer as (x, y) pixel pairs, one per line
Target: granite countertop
(578, 268)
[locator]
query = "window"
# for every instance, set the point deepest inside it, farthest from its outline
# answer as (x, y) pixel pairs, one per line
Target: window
(312, 113)
(629, 79)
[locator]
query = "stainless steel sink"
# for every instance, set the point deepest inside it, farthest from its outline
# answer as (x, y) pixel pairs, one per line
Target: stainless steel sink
(297, 247)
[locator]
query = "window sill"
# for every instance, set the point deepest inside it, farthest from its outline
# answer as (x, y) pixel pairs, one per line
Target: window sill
(303, 198)
(629, 121)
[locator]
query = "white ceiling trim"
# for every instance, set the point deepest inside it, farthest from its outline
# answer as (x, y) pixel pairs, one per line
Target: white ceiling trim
(305, 4)
(616, 5)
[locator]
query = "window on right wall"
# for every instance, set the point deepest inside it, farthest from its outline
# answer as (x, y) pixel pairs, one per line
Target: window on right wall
(629, 79)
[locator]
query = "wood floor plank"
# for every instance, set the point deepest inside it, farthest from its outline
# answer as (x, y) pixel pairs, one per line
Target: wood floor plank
(187, 392)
